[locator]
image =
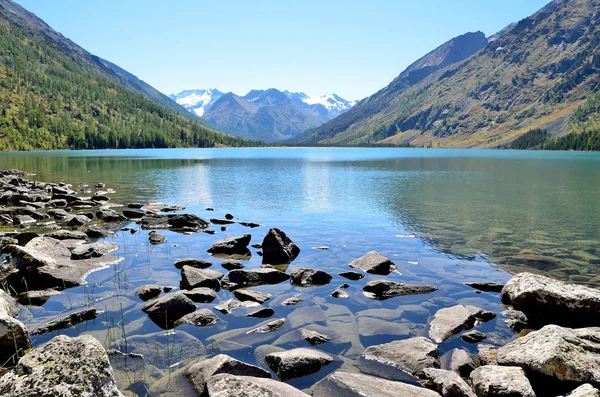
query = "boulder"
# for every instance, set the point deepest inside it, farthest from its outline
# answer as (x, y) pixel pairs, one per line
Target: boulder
(67, 235)
(265, 275)
(313, 337)
(270, 326)
(515, 319)
(249, 295)
(448, 383)
(96, 232)
(59, 214)
(200, 294)
(350, 384)
(156, 238)
(382, 289)
(108, 215)
(486, 286)
(487, 354)
(374, 263)
(451, 320)
(278, 249)
(229, 305)
(585, 390)
(173, 221)
(564, 353)
(459, 361)
(149, 291)
(36, 297)
(339, 293)
(473, 336)
(169, 308)
(308, 277)
(76, 220)
(498, 381)
(94, 250)
(548, 301)
(193, 262)
(226, 385)
(231, 245)
(297, 362)
(263, 312)
(134, 213)
(199, 318)
(14, 337)
(409, 355)
(66, 321)
(192, 278)
(232, 265)
(352, 275)
(66, 367)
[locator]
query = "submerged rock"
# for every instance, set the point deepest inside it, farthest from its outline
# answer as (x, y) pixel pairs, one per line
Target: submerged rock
(291, 301)
(297, 362)
(352, 275)
(487, 286)
(373, 262)
(64, 366)
(269, 327)
(226, 385)
(149, 291)
(263, 312)
(313, 337)
(382, 289)
(473, 336)
(67, 321)
(349, 384)
(169, 308)
(199, 318)
(309, 277)
(249, 295)
(231, 245)
(156, 238)
(497, 381)
(192, 278)
(564, 353)
(193, 262)
(546, 300)
(230, 304)
(278, 248)
(448, 383)
(451, 320)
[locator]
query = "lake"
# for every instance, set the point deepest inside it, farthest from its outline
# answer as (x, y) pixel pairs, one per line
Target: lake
(444, 217)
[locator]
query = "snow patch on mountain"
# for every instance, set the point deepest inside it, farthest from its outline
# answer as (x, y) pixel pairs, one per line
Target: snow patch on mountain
(197, 101)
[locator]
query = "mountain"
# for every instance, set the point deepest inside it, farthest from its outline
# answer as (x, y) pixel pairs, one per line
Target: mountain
(197, 101)
(56, 95)
(538, 74)
(268, 115)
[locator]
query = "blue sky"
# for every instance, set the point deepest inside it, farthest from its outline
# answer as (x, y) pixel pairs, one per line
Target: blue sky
(352, 48)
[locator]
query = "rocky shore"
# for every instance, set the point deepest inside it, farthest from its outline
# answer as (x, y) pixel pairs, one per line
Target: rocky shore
(55, 237)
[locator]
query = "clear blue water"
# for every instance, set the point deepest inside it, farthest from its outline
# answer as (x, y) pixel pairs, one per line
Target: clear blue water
(443, 216)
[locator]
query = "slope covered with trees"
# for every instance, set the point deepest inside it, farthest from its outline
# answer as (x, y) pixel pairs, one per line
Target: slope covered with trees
(55, 95)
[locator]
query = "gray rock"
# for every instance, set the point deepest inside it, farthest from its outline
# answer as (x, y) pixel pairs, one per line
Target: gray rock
(448, 383)
(149, 291)
(585, 390)
(200, 294)
(473, 336)
(76, 220)
(451, 320)
(199, 373)
(134, 213)
(487, 286)
(249, 295)
(352, 275)
(59, 214)
(564, 353)
(291, 301)
(173, 221)
(23, 220)
(14, 337)
(225, 385)
(515, 319)
(156, 238)
(278, 249)
(197, 263)
(66, 367)
(270, 326)
(232, 265)
(263, 312)
(348, 384)
(96, 232)
(487, 354)
(36, 297)
(297, 362)
(308, 277)
(66, 321)
(498, 381)
(409, 355)
(192, 278)
(94, 250)
(255, 277)
(231, 245)
(199, 318)
(382, 289)
(169, 308)
(374, 263)
(67, 235)
(108, 215)
(229, 305)
(313, 337)
(459, 361)
(546, 300)
(339, 293)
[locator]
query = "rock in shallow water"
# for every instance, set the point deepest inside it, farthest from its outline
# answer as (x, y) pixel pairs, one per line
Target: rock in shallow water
(278, 249)
(14, 337)
(297, 362)
(66, 367)
(498, 381)
(231, 245)
(229, 305)
(451, 320)
(448, 383)
(148, 291)
(192, 278)
(169, 308)
(249, 295)
(260, 276)
(383, 289)
(487, 286)
(373, 262)
(225, 385)
(199, 318)
(459, 361)
(193, 262)
(67, 321)
(313, 337)
(309, 277)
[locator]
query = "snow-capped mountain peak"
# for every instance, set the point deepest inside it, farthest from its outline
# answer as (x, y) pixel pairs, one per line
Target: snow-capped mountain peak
(331, 102)
(197, 101)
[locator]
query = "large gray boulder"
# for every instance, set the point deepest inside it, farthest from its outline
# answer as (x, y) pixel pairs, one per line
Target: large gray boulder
(498, 381)
(169, 308)
(14, 337)
(45, 262)
(373, 262)
(199, 373)
(297, 362)
(459, 361)
(383, 289)
(564, 353)
(548, 301)
(411, 356)
(235, 245)
(278, 249)
(451, 320)
(448, 383)
(65, 367)
(348, 384)
(226, 385)
(264, 275)
(193, 278)
(585, 390)
(309, 277)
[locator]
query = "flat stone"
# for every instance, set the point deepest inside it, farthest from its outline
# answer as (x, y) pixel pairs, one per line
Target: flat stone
(199, 318)
(133, 213)
(350, 384)
(66, 367)
(448, 383)
(173, 221)
(156, 238)
(297, 362)
(278, 249)
(545, 300)
(374, 263)
(67, 235)
(260, 276)
(94, 250)
(383, 289)
(409, 355)
(149, 291)
(352, 275)
(291, 301)
(263, 312)
(498, 381)
(192, 278)
(308, 277)
(563, 353)
(269, 327)
(230, 304)
(585, 390)
(473, 336)
(95, 232)
(200, 294)
(313, 337)
(249, 295)
(232, 265)
(66, 321)
(193, 262)
(226, 385)
(231, 245)
(36, 297)
(486, 286)
(451, 320)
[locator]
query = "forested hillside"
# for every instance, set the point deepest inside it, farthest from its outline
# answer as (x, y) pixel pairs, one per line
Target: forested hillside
(55, 95)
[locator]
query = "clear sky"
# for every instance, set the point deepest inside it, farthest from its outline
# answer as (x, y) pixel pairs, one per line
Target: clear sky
(349, 47)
